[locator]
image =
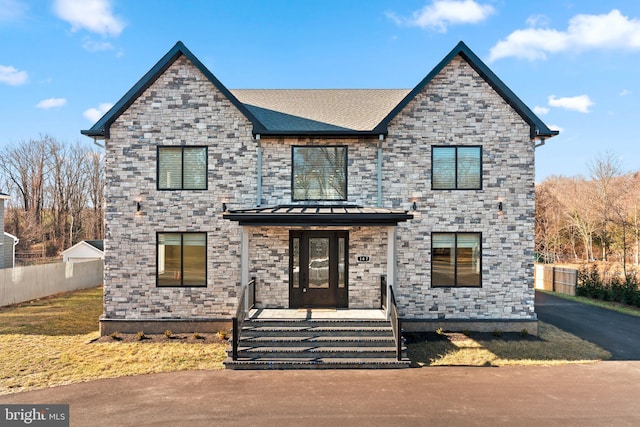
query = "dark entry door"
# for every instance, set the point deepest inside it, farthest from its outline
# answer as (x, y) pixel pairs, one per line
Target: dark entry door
(318, 269)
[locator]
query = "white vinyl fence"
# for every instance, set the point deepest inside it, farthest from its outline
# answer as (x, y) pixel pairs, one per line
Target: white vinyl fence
(20, 284)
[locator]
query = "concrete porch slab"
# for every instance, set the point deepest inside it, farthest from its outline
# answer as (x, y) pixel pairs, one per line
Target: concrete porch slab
(315, 314)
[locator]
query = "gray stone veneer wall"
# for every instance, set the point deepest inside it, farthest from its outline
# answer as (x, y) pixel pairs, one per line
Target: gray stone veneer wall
(183, 108)
(269, 254)
(459, 108)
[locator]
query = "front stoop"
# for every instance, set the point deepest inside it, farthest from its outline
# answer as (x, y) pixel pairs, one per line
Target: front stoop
(316, 344)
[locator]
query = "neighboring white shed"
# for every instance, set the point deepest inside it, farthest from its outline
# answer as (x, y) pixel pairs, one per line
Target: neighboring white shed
(87, 250)
(8, 241)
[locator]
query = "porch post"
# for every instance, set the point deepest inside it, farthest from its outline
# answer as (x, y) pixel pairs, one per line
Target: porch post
(391, 265)
(244, 265)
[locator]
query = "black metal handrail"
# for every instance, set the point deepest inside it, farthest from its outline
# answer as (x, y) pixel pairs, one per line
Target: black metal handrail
(396, 324)
(238, 319)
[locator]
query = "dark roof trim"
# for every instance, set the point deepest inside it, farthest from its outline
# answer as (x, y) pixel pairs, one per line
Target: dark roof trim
(286, 216)
(538, 128)
(98, 244)
(100, 129)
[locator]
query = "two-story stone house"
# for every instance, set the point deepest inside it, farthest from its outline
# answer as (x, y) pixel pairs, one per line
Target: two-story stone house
(321, 196)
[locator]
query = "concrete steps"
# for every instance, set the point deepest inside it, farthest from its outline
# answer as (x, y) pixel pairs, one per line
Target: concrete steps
(316, 344)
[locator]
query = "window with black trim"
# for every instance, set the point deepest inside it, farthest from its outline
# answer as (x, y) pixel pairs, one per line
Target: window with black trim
(319, 173)
(456, 168)
(456, 259)
(182, 259)
(182, 168)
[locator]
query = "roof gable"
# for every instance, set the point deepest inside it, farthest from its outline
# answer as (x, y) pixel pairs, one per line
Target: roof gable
(538, 128)
(93, 245)
(325, 112)
(101, 128)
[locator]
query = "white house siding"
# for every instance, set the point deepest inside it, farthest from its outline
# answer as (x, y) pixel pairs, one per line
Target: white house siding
(459, 108)
(182, 107)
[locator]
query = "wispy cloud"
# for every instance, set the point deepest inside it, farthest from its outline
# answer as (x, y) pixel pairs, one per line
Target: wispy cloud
(580, 103)
(91, 15)
(625, 92)
(46, 104)
(12, 10)
(94, 46)
(94, 114)
(441, 14)
(584, 32)
(12, 76)
(541, 111)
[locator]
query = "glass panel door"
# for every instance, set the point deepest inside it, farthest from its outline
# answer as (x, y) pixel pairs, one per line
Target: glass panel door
(318, 273)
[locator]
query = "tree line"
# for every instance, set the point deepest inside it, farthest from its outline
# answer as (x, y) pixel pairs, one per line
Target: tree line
(56, 191)
(587, 219)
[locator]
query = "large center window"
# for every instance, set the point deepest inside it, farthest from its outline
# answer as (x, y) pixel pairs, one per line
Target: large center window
(456, 259)
(456, 168)
(319, 173)
(182, 168)
(182, 259)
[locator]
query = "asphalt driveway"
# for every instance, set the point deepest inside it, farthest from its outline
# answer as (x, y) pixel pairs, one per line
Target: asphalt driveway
(616, 332)
(598, 394)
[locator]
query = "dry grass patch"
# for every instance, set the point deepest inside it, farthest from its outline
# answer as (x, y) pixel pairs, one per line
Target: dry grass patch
(552, 346)
(53, 341)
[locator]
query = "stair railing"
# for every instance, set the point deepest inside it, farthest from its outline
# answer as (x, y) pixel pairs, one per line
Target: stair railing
(247, 291)
(396, 324)
(388, 301)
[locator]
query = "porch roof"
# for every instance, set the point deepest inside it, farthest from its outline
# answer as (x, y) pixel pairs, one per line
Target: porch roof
(291, 215)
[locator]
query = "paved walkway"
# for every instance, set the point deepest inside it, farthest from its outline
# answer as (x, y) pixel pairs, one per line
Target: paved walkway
(616, 332)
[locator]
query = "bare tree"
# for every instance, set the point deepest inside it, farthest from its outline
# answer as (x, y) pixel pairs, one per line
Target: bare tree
(604, 171)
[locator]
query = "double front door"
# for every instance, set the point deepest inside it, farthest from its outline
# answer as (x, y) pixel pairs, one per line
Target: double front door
(318, 275)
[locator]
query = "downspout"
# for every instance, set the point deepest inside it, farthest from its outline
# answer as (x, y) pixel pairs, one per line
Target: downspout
(259, 172)
(15, 243)
(95, 141)
(380, 139)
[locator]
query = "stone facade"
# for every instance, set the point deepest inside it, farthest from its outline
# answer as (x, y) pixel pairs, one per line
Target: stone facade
(183, 108)
(459, 108)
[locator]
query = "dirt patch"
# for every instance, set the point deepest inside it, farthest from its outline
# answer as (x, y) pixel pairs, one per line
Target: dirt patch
(418, 337)
(195, 338)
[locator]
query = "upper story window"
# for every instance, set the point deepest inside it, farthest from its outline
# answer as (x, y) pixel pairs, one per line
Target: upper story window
(182, 168)
(319, 173)
(456, 168)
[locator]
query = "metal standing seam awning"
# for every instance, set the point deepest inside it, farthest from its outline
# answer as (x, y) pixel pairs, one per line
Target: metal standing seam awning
(318, 215)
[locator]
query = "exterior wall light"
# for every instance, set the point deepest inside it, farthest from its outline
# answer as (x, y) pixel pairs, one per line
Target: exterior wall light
(500, 206)
(224, 207)
(138, 206)
(414, 206)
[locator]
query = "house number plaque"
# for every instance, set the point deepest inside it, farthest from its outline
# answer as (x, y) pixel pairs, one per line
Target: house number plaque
(363, 258)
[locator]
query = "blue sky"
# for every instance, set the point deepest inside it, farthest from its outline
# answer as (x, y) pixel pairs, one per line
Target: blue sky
(576, 63)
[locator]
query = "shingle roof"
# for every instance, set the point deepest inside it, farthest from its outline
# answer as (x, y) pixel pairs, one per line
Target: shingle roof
(4, 196)
(98, 244)
(320, 109)
(344, 112)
